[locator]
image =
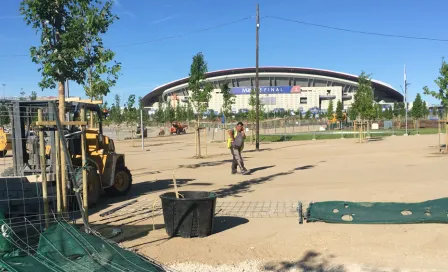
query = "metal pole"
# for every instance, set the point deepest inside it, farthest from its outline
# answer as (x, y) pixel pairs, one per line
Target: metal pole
(257, 86)
(142, 129)
(85, 187)
(405, 100)
(43, 169)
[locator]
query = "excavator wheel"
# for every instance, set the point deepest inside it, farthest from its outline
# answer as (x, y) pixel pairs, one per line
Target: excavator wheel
(122, 182)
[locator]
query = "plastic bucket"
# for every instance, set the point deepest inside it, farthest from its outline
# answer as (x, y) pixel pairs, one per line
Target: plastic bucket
(190, 215)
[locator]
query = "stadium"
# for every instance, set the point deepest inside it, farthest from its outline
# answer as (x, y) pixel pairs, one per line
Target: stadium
(281, 88)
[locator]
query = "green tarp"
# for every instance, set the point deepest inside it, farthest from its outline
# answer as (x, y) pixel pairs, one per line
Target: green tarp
(64, 248)
(432, 211)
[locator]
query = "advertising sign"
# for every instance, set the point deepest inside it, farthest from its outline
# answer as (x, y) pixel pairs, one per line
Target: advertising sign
(267, 90)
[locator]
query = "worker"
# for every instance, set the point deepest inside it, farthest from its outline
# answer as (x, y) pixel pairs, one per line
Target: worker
(235, 143)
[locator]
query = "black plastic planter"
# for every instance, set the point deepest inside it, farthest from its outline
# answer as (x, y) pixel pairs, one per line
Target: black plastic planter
(190, 215)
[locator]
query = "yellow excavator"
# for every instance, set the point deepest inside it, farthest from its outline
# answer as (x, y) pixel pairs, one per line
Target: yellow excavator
(106, 169)
(5, 142)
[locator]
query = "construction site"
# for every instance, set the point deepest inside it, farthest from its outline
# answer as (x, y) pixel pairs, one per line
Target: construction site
(303, 207)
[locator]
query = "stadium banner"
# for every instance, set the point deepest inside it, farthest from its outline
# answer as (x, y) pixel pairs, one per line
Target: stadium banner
(267, 90)
(268, 101)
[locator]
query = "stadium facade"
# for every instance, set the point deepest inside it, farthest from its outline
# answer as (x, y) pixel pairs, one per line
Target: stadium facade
(281, 88)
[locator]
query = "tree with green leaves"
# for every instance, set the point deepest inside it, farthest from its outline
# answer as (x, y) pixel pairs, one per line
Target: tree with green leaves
(308, 114)
(425, 110)
(417, 110)
(201, 90)
(22, 95)
(228, 99)
(339, 112)
(190, 112)
(4, 115)
(352, 114)
(131, 115)
(115, 113)
(159, 114)
(33, 95)
(71, 45)
(211, 115)
(170, 113)
(330, 110)
(144, 112)
(442, 84)
(388, 114)
(363, 98)
(252, 114)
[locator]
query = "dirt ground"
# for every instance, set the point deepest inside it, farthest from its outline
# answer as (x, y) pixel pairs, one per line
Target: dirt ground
(407, 169)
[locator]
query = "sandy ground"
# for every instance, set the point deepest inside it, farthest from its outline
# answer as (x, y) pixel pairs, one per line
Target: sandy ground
(393, 169)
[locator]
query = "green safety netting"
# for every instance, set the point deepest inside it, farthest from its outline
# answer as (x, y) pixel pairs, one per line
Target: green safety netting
(64, 248)
(432, 211)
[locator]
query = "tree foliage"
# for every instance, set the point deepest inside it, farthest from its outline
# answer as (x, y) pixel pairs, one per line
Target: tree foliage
(352, 114)
(339, 111)
(4, 115)
(228, 99)
(388, 114)
(442, 83)
(199, 88)
(308, 115)
(417, 110)
(159, 114)
(115, 113)
(363, 98)
(170, 114)
(33, 95)
(330, 110)
(71, 46)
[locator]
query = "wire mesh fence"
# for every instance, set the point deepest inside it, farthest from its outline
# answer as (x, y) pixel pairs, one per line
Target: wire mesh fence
(41, 193)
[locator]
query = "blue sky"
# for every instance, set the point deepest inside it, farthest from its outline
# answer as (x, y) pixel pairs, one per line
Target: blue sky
(148, 65)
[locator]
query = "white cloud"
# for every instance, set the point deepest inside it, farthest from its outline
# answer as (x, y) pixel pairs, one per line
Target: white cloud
(163, 19)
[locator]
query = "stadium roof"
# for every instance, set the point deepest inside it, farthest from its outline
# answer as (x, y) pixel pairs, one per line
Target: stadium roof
(378, 85)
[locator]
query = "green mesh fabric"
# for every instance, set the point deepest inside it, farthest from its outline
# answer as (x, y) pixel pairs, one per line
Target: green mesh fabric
(64, 248)
(5, 246)
(432, 211)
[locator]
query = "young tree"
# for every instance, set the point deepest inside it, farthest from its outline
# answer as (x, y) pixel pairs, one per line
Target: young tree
(33, 95)
(4, 115)
(131, 115)
(388, 114)
(352, 114)
(417, 110)
(442, 83)
(190, 112)
(308, 115)
(159, 114)
(115, 114)
(252, 114)
(71, 46)
(22, 95)
(330, 110)
(228, 99)
(363, 98)
(425, 110)
(339, 112)
(144, 112)
(170, 113)
(211, 115)
(200, 90)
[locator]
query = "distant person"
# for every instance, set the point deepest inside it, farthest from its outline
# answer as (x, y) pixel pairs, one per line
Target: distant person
(235, 143)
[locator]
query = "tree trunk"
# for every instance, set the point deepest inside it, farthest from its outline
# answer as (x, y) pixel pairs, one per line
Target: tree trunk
(61, 94)
(199, 136)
